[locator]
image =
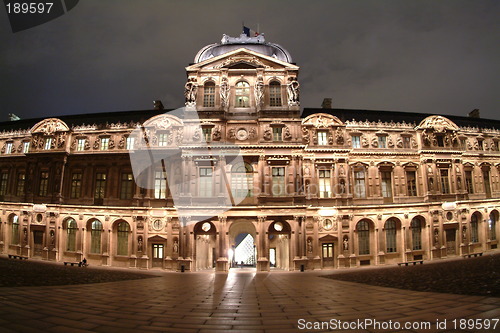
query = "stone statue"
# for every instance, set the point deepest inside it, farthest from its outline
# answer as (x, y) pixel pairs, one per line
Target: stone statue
(259, 92)
(190, 90)
(176, 246)
(286, 134)
(399, 143)
(216, 135)
(224, 93)
(436, 237)
(268, 135)
(139, 244)
(345, 244)
(309, 245)
(293, 89)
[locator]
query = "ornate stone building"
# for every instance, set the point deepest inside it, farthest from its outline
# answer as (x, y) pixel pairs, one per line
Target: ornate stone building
(329, 188)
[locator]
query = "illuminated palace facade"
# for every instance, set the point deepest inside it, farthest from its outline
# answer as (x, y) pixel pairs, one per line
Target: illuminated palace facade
(327, 188)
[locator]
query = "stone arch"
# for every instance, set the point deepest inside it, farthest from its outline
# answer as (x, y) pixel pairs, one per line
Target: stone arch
(239, 228)
(205, 243)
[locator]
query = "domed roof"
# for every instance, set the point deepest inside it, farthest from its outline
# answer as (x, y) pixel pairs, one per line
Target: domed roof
(257, 44)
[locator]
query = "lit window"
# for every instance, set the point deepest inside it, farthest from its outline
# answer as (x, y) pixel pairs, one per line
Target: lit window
(242, 94)
(14, 235)
(100, 186)
(48, 143)
(322, 138)
(26, 147)
(163, 139)
(411, 183)
(474, 234)
(406, 142)
(104, 143)
(71, 230)
(21, 181)
(468, 182)
(363, 237)
(44, 183)
(207, 134)
(390, 235)
(359, 183)
(127, 186)
(123, 230)
(274, 94)
(4, 177)
(486, 182)
(492, 224)
(158, 251)
(8, 148)
(277, 134)
(382, 141)
(95, 236)
(205, 182)
(76, 185)
(325, 184)
(209, 94)
(445, 181)
(278, 188)
(242, 180)
(386, 184)
(416, 234)
(356, 141)
(80, 145)
(160, 185)
(130, 143)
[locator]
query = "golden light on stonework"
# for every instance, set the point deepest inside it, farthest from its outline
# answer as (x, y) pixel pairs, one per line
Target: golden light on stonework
(328, 212)
(449, 205)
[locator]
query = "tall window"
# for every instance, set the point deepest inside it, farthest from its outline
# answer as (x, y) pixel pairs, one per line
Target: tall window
(158, 251)
(44, 183)
(406, 142)
(411, 183)
(359, 183)
(416, 234)
(21, 181)
(242, 180)
(100, 185)
(205, 189)
(390, 235)
(80, 145)
(325, 190)
(382, 141)
(386, 184)
(277, 133)
(209, 95)
(492, 224)
(322, 138)
(26, 147)
(76, 185)
(278, 188)
(130, 143)
(104, 143)
(160, 185)
(275, 94)
(363, 229)
(4, 177)
(163, 139)
(468, 182)
(127, 186)
(95, 236)
(486, 182)
(445, 181)
(71, 229)
(8, 148)
(207, 134)
(123, 230)
(242, 94)
(14, 234)
(48, 143)
(474, 229)
(356, 141)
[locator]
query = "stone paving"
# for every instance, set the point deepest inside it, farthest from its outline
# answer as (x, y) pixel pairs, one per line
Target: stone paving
(242, 301)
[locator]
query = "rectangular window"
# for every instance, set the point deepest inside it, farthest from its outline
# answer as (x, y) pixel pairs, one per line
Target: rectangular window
(486, 182)
(277, 134)
(100, 185)
(445, 181)
(4, 177)
(21, 181)
(325, 184)
(359, 184)
(386, 177)
(44, 183)
(207, 134)
(26, 147)
(160, 185)
(382, 141)
(322, 138)
(480, 143)
(468, 182)
(8, 148)
(130, 143)
(80, 145)
(76, 185)
(411, 183)
(406, 142)
(163, 139)
(327, 250)
(440, 140)
(278, 187)
(274, 94)
(205, 189)
(209, 95)
(104, 143)
(356, 141)
(127, 186)
(463, 143)
(48, 143)
(157, 251)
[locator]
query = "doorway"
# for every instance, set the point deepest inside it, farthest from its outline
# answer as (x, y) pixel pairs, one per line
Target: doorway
(451, 242)
(244, 251)
(327, 253)
(158, 255)
(37, 243)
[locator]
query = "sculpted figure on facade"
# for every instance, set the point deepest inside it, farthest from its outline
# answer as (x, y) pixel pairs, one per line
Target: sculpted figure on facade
(305, 135)
(224, 93)
(216, 135)
(286, 133)
(364, 141)
(339, 135)
(259, 92)
(268, 135)
(190, 91)
(399, 142)
(293, 89)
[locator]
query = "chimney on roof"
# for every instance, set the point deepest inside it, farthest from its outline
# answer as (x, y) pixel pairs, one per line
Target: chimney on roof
(474, 114)
(327, 103)
(158, 105)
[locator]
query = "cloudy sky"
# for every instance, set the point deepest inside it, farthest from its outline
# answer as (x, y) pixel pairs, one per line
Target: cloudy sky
(102, 56)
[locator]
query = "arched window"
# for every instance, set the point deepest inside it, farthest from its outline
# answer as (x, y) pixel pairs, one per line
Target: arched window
(209, 94)
(14, 229)
(95, 236)
(474, 234)
(416, 233)
(390, 235)
(492, 224)
(122, 238)
(71, 229)
(363, 229)
(242, 180)
(242, 94)
(274, 93)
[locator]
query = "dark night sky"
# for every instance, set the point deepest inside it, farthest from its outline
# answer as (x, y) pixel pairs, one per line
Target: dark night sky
(418, 56)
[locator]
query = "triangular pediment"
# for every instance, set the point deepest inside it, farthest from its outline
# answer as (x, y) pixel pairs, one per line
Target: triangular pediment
(242, 57)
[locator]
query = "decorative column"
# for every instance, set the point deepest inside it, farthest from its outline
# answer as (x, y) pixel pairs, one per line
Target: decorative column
(222, 260)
